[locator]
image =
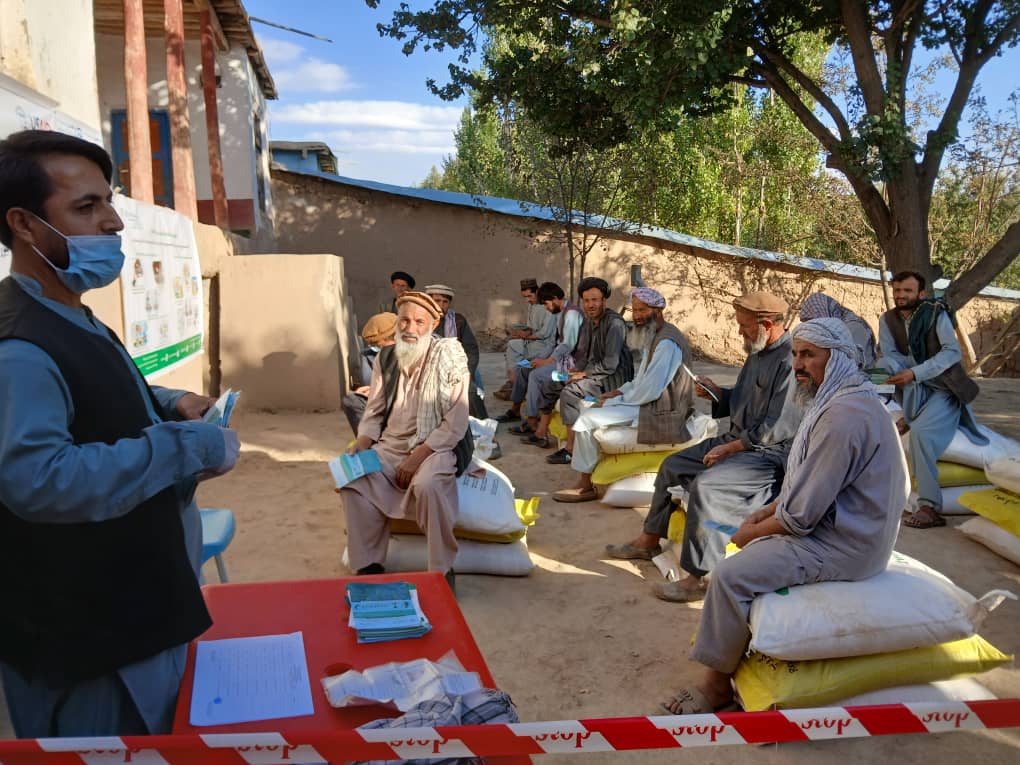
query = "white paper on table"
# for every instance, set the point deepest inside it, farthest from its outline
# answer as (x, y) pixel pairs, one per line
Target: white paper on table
(248, 679)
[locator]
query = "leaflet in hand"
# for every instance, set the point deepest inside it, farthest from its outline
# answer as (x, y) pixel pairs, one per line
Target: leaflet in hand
(524, 364)
(219, 413)
(725, 528)
(350, 467)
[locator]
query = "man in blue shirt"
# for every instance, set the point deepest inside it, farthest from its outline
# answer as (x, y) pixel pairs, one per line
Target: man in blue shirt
(100, 537)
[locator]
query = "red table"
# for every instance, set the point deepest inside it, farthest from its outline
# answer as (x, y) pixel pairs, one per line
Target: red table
(316, 607)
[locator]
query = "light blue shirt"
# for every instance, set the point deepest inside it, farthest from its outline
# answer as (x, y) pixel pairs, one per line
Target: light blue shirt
(571, 328)
(46, 478)
(948, 354)
(652, 376)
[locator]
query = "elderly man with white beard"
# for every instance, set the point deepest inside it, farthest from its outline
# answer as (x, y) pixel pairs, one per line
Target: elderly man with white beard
(656, 403)
(416, 420)
(727, 475)
(836, 518)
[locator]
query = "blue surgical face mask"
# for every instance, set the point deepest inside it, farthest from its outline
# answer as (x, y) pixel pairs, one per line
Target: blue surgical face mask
(92, 261)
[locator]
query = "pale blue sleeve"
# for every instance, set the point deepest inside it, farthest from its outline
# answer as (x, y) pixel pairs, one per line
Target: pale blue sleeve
(168, 398)
(548, 328)
(948, 355)
(662, 368)
(892, 360)
(46, 478)
(571, 328)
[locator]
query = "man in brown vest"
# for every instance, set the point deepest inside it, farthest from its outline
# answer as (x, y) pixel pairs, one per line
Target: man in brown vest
(919, 345)
(657, 402)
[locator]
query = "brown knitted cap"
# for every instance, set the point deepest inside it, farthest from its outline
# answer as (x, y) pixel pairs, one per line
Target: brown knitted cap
(420, 299)
(378, 329)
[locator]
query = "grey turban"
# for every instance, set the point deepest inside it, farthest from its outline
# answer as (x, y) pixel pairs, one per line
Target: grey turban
(828, 333)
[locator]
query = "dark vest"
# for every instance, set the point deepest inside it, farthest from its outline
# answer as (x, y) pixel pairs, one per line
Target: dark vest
(464, 449)
(591, 345)
(664, 421)
(81, 600)
(954, 379)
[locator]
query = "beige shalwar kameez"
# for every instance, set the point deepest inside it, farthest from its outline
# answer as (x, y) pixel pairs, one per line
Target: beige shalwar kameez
(431, 499)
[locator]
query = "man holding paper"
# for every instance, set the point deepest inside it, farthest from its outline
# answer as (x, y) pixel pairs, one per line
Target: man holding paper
(416, 421)
(100, 537)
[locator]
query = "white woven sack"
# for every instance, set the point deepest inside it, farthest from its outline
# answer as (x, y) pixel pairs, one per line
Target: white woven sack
(994, 537)
(623, 439)
(1005, 473)
(906, 606)
(632, 491)
(483, 432)
(960, 689)
(487, 501)
(963, 451)
(410, 553)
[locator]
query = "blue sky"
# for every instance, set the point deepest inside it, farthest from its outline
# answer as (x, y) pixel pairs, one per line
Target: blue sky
(360, 94)
(368, 101)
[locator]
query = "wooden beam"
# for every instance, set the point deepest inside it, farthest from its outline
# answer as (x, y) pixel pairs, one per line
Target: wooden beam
(221, 215)
(136, 89)
(185, 201)
(205, 7)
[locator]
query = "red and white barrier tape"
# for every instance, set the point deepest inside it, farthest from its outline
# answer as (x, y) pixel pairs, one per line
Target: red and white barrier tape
(566, 736)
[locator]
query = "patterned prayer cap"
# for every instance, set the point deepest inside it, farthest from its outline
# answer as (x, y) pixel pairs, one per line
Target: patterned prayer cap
(529, 284)
(650, 297)
(439, 289)
(420, 299)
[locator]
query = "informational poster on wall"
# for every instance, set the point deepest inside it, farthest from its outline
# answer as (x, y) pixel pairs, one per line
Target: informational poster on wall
(162, 287)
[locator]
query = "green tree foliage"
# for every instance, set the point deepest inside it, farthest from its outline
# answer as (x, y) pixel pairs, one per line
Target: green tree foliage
(605, 71)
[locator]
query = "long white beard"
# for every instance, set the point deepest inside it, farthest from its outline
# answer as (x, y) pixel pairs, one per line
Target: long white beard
(759, 344)
(640, 338)
(410, 353)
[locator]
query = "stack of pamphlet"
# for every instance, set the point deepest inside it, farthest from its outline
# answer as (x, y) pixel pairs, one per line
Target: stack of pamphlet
(349, 467)
(385, 611)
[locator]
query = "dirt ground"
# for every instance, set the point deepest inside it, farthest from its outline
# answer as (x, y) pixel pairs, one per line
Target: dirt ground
(583, 636)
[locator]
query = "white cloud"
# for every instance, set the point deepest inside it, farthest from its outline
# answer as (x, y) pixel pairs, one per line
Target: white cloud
(295, 71)
(392, 115)
(397, 141)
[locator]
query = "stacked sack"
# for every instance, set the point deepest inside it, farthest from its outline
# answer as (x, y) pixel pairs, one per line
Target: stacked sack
(491, 528)
(961, 466)
(628, 468)
(998, 528)
(829, 643)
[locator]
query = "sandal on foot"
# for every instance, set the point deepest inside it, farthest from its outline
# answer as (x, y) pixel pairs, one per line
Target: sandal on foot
(693, 702)
(576, 495)
(561, 457)
(676, 592)
(520, 430)
(924, 518)
(508, 416)
(542, 442)
(627, 551)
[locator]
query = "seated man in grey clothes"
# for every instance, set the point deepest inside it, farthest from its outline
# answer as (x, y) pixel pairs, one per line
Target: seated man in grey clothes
(736, 471)
(836, 517)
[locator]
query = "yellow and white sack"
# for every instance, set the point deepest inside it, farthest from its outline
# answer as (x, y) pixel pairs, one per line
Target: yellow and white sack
(906, 606)
(994, 537)
(623, 439)
(1005, 473)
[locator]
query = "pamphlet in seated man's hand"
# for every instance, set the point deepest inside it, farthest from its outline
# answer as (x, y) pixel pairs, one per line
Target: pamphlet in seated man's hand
(350, 467)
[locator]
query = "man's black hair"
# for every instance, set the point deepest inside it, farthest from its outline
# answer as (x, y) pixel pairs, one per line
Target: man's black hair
(593, 282)
(550, 291)
(904, 275)
(24, 181)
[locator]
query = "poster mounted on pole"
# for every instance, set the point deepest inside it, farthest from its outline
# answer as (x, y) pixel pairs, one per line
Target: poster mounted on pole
(161, 285)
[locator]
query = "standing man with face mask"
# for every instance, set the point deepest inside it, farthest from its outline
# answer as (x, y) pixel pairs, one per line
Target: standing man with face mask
(100, 537)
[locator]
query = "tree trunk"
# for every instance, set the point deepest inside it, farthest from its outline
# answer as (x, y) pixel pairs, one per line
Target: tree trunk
(907, 248)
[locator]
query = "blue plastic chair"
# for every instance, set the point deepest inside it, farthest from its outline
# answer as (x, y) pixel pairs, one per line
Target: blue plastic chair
(217, 531)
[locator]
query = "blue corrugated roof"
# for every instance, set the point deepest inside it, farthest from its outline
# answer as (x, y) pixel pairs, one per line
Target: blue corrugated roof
(523, 209)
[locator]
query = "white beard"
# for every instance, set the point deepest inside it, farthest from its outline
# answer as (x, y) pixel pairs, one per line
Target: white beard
(759, 344)
(639, 339)
(410, 353)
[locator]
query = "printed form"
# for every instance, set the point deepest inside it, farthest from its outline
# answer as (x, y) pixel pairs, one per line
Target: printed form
(248, 679)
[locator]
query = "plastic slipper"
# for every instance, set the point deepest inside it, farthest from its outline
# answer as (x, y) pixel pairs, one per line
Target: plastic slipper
(627, 551)
(924, 518)
(508, 416)
(576, 495)
(693, 702)
(521, 430)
